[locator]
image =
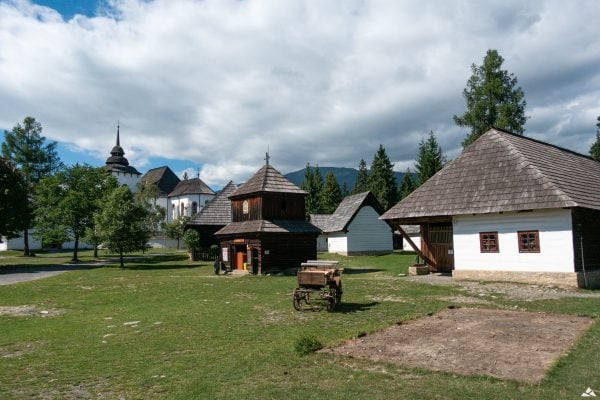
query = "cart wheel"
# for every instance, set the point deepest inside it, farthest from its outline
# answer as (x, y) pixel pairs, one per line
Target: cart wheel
(338, 294)
(297, 300)
(331, 302)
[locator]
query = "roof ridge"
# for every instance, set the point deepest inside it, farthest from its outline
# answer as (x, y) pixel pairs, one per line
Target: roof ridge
(530, 164)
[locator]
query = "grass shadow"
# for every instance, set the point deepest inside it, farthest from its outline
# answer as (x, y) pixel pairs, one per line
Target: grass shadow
(36, 268)
(354, 271)
(154, 267)
(348, 308)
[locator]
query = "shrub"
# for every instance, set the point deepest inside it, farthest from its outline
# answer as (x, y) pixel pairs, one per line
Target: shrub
(307, 344)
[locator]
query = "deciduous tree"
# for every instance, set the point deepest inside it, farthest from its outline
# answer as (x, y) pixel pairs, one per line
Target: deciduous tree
(34, 158)
(382, 181)
(176, 228)
(493, 100)
(13, 201)
(68, 201)
(121, 224)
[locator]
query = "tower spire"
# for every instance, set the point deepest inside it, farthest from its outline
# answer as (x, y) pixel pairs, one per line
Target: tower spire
(267, 156)
(118, 141)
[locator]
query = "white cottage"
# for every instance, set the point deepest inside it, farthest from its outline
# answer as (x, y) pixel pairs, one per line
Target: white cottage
(354, 228)
(510, 208)
(188, 197)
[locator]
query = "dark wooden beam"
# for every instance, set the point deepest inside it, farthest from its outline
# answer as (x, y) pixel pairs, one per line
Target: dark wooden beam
(413, 245)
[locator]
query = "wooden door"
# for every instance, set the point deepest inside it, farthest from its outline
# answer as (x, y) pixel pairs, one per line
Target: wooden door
(240, 257)
(441, 247)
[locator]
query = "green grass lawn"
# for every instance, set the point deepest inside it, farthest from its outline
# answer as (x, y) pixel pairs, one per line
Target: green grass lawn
(202, 336)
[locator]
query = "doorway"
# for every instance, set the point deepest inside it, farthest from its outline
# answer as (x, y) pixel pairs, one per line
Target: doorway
(439, 240)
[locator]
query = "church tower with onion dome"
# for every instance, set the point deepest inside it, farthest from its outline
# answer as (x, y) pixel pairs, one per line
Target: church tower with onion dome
(118, 166)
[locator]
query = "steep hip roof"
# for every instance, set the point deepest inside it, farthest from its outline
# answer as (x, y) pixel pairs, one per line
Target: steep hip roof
(217, 211)
(502, 172)
(164, 179)
(191, 186)
(267, 179)
(345, 212)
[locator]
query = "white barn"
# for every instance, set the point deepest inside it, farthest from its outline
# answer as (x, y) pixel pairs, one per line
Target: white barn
(354, 228)
(510, 208)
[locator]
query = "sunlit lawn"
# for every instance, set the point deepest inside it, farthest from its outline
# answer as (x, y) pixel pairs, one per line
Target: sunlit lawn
(167, 328)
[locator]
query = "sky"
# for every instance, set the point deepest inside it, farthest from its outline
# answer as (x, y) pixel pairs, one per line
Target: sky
(209, 86)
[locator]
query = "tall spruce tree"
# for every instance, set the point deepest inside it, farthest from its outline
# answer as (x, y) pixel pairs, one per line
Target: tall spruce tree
(332, 194)
(362, 178)
(595, 149)
(408, 185)
(27, 149)
(493, 100)
(382, 181)
(430, 159)
(312, 184)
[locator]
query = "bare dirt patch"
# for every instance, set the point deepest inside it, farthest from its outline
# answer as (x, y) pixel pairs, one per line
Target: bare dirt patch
(503, 344)
(28, 311)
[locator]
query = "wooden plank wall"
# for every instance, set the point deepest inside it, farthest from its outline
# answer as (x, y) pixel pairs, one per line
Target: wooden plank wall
(287, 206)
(254, 209)
(288, 251)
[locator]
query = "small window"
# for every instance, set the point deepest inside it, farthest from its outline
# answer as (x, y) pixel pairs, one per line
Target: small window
(245, 208)
(283, 206)
(529, 241)
(194, 207)
(488, 242)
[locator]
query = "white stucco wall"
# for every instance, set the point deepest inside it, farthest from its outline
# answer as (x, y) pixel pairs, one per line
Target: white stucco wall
(416, 238)
(176, 201)
(18, 244)
(555, 237)
(130, 180)
(367, 232)
(337, 243)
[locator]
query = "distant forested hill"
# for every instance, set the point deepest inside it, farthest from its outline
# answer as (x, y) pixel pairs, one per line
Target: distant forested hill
(342, 175)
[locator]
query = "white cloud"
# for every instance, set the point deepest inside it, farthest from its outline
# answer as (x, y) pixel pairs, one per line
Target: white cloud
(216, 82)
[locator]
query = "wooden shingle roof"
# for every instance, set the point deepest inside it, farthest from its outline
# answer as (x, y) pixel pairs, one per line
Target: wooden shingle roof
(345, 212)
(164, 179)
(265, 226)
(191, 186)
(267, 179)
(502, 172)
(217, 211)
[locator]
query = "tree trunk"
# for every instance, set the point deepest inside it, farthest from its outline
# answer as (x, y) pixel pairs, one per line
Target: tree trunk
(177, 243)
(95, 250)
(26, 242)
(121, 258)
(75, 248)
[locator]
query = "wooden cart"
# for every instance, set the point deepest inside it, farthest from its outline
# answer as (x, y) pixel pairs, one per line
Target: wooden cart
(318, 280)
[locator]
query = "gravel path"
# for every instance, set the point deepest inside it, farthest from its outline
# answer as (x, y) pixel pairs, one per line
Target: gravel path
(8, 276)
(510, 290)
